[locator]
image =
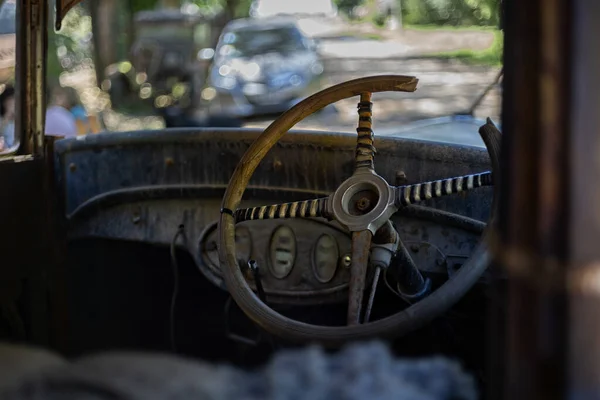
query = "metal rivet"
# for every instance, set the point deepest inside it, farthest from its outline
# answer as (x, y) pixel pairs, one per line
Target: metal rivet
(400, 177)
(347, 260)
(136, 218)
(72, 167)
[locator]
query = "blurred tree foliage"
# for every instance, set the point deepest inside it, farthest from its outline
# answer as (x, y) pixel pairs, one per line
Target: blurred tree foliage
(71, 46)
(240, 7)
(140, 5)
(348, 6)
(451, 12)
(435, 12)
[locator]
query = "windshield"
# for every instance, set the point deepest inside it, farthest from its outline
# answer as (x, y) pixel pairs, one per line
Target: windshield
(250, 42)
(236, 69)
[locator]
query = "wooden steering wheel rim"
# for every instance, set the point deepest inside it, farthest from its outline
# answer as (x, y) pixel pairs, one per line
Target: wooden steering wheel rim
(395, 325)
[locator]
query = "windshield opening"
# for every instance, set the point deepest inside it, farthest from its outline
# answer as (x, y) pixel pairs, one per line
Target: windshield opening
(242, 68)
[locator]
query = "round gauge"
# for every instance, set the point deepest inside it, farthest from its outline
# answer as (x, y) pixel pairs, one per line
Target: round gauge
(325, 258)
(243, 243)
(282, 251)
(209, 245)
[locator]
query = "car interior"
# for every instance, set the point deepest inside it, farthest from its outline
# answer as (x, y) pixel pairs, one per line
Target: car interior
(186, 249)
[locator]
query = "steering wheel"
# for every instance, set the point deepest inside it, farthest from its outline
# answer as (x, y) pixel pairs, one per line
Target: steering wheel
(363, 204)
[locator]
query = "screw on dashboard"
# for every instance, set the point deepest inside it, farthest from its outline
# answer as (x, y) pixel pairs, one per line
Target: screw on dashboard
(347, 260)
(401, 178)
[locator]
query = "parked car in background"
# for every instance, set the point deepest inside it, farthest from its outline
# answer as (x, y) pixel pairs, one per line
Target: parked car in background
(261, 67)
(162, 70)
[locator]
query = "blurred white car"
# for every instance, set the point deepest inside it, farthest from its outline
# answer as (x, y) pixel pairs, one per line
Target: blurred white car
(270, 8)
(261, 67)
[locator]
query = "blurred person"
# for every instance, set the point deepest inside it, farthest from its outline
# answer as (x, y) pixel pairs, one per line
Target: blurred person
(85, 123)
(60, 121)
(7, 118)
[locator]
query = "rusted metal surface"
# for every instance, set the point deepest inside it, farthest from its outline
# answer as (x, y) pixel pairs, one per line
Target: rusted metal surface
(536, 193)
(121, 186)
(32, 40)
(361, 244)
(313, 162)
(147, 216)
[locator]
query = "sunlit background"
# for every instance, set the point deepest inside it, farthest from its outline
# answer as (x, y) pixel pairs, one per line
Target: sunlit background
(453, 46)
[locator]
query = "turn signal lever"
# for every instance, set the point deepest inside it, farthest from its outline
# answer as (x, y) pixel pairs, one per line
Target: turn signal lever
(388, 250)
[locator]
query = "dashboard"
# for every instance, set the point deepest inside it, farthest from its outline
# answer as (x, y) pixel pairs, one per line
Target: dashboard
(142, 186)
(304, 261)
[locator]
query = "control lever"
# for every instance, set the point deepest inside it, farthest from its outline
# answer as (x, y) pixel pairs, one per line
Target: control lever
(387, 249)
(253, 265)
(384, 245)
(412, 285)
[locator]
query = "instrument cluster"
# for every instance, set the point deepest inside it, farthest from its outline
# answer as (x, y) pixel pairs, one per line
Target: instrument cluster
(299, 260)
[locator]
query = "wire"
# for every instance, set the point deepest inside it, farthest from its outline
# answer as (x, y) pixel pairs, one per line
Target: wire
(397, 293)
(175, 268)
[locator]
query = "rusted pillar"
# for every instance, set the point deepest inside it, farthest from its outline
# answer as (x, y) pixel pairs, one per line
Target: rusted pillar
(549, 225)
(32, 44)
(584, 279)
(536, 196)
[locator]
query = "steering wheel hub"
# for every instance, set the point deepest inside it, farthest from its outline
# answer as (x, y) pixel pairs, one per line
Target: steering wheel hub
(363, 201)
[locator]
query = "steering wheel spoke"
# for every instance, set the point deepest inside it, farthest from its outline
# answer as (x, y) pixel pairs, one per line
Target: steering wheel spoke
(365, 149)
(298, 209)
(410, 194)
(361, 246)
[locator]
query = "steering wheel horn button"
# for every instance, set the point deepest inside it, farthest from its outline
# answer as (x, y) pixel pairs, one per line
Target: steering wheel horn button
(363, 201)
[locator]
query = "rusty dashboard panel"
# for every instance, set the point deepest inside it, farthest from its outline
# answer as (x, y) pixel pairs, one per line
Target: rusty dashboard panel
(141, 186)
(299, 258)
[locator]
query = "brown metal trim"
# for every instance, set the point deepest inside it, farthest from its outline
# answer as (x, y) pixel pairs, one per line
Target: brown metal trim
(62, 8)
(32, 41)
(535, 197)
(547, 274)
